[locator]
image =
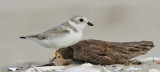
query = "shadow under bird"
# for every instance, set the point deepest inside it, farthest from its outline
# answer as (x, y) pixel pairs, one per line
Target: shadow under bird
(62, 36)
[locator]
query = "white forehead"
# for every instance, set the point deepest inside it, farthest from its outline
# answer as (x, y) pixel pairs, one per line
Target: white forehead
(77, 18)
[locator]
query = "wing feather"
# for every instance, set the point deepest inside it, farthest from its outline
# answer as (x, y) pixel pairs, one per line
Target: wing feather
(54, 32)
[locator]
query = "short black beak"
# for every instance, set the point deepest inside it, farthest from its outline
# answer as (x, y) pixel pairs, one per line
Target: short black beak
(90, 24)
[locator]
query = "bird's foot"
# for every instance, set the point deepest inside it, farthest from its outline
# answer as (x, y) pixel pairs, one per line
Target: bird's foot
(66, 63)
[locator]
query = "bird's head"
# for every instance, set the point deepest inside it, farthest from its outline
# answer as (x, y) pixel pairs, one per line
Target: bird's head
(80, 21)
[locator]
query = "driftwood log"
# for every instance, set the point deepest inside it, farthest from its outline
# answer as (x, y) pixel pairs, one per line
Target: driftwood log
(104, 52)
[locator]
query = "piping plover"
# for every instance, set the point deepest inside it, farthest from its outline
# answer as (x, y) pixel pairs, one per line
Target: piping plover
(61, 36)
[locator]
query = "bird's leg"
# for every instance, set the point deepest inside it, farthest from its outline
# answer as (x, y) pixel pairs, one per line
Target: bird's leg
(64, 62)
(57, 57)
(61, 56)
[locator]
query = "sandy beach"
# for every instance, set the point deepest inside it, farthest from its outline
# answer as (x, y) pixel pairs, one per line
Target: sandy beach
(148, 65)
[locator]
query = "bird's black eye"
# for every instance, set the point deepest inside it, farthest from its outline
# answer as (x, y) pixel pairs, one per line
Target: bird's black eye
(81, 20)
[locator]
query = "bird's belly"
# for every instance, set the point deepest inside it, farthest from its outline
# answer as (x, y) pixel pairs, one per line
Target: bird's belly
(61, 42)
(46, 43)
(66, 41)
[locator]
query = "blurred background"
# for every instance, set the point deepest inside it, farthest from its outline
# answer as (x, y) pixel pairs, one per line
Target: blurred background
(114, 20)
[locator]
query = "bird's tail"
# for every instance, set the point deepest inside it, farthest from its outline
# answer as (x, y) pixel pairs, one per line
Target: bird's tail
(30, 37)
(23, 37)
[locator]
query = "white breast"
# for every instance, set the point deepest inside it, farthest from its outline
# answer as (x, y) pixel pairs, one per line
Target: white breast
(67, 40)
(63, 41)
